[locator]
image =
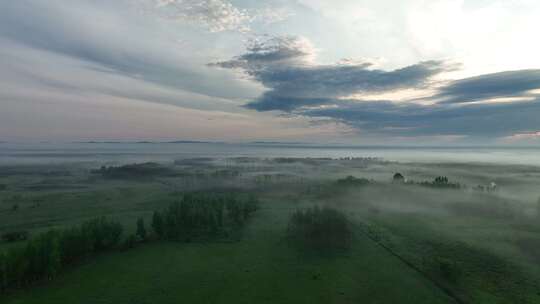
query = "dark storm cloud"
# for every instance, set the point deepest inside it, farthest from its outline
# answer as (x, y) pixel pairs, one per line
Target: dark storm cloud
(297, 85)
(503, 84)
(408, 119)
(311, 85)
(283, 66)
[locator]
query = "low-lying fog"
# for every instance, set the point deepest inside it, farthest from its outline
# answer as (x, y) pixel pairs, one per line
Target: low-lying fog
(122, 153)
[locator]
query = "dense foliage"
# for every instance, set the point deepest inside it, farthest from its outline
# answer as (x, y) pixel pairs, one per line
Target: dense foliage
(203, 215)
(43, 256)
(320, 228)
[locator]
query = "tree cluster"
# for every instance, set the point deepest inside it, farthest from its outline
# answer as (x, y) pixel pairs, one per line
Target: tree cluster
(441, 182)
(320, 228)
(136, 171)
(44, 256)
(194, 215)
(353, 181)
(203, 215)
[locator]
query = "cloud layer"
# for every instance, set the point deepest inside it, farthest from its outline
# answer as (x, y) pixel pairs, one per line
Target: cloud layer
(60, 57)
(285, 65)
(297, 84)
(490, 86)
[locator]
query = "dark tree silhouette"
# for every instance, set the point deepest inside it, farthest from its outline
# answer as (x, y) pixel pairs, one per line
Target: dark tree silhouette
(141, 230)
(398, 178)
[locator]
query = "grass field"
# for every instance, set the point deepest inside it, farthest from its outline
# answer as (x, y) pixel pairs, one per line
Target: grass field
(261, 268)
(491, 239)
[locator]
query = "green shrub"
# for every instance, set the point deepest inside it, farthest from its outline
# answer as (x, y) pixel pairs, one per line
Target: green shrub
(319, 228)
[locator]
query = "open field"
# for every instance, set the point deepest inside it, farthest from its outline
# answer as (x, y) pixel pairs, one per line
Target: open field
(412, 242)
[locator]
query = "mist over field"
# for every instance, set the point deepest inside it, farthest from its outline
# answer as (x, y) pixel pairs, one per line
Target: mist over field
(272, 151)
(451, 225)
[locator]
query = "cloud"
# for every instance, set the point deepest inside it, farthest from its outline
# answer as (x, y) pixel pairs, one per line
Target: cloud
(216, 15)
(409, 119)
(535, 135)
(345, 92)
(490, 86)
(113, 39)
(286, 66)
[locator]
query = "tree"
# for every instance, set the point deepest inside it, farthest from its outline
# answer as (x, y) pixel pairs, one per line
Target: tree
(441, 180)
(130, 242)
(157, 224)
(3, 271)
(141, 230)
(323, 229)
(398, 178)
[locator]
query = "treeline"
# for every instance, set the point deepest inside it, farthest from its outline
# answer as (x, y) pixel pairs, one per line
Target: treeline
(353, 181)
(137, 171)
(195, 215)
(203, 215)
(45, 255)
(439, 182)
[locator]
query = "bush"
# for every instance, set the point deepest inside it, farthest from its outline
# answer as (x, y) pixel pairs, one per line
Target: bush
(322, 229)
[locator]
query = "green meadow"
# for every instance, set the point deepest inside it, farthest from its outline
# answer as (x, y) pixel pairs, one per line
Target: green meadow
(411, 242)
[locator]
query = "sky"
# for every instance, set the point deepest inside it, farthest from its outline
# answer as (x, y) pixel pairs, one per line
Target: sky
(409, 72)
